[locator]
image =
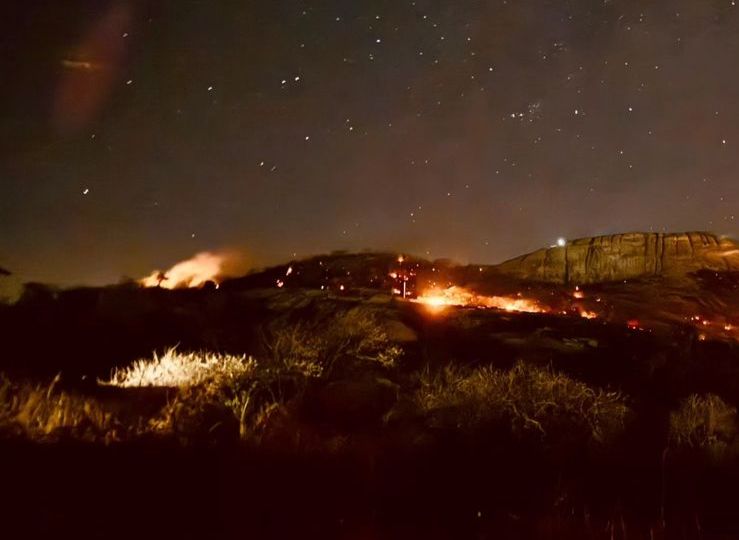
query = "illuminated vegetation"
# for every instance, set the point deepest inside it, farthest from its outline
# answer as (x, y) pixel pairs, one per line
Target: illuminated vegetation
(528, 399)
(180, 369)
(41, 411)
(703, 421)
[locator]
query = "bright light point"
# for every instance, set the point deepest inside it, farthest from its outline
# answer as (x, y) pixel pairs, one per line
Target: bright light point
(86, 191)
(210, 89)
(561, 242)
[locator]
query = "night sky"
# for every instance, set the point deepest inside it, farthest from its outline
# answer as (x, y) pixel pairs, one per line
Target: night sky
(137, 134)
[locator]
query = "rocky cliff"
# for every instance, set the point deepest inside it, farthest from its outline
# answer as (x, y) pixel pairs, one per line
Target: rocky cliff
(626, 256)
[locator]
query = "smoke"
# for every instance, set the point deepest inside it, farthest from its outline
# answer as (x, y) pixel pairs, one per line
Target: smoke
(197, 270)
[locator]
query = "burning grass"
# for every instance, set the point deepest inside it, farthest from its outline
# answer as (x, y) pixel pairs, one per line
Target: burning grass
(193, 272)
(437, 299)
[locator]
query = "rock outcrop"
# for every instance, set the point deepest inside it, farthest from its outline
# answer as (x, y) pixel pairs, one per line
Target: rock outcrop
(626, 256)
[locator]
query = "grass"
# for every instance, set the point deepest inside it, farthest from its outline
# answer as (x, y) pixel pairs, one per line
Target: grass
(42, 411)
(703, 421)
(527, 399)
(180, 369)
(217, 393)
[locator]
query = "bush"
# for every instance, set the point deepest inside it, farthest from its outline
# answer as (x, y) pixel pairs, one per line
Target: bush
(525, 400)
(353, 337)
(703, 421)
(212, 390)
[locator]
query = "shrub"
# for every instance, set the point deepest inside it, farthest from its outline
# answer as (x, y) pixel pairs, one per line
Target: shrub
(311, 351)
(212, 390)
(703, 421)
(525, 399)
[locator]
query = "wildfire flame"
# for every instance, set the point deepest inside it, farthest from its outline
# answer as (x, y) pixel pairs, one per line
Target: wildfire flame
(193, 272)
(437, 299)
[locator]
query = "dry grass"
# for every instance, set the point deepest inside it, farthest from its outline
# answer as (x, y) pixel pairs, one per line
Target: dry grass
(42, 411)
(212, 390)
(211, 393)
(178, 369)
(703, 421)
(526, 398)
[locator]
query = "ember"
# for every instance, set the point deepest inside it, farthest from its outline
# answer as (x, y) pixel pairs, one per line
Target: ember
(633, 324)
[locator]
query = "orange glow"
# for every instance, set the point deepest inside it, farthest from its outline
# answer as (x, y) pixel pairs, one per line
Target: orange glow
(585, 314)
(437, 299)
(193, 272)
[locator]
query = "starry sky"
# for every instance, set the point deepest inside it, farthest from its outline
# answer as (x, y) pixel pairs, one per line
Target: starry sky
(134, 134)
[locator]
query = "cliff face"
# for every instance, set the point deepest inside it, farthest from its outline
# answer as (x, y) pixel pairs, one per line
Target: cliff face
(625, 256)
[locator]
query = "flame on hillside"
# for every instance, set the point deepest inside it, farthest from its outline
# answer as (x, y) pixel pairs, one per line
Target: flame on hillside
(193, 272)
(437, 299)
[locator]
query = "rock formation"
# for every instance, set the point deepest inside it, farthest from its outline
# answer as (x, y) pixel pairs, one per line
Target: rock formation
(626, 256)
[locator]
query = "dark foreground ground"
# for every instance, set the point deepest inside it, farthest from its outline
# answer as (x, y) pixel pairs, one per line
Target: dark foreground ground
(480, 425)
(167, 491)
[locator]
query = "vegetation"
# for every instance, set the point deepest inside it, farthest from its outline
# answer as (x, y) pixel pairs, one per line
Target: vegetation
(703, 422)
(292, 392)
(527, 399)
(210, 395)
(42, 411)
